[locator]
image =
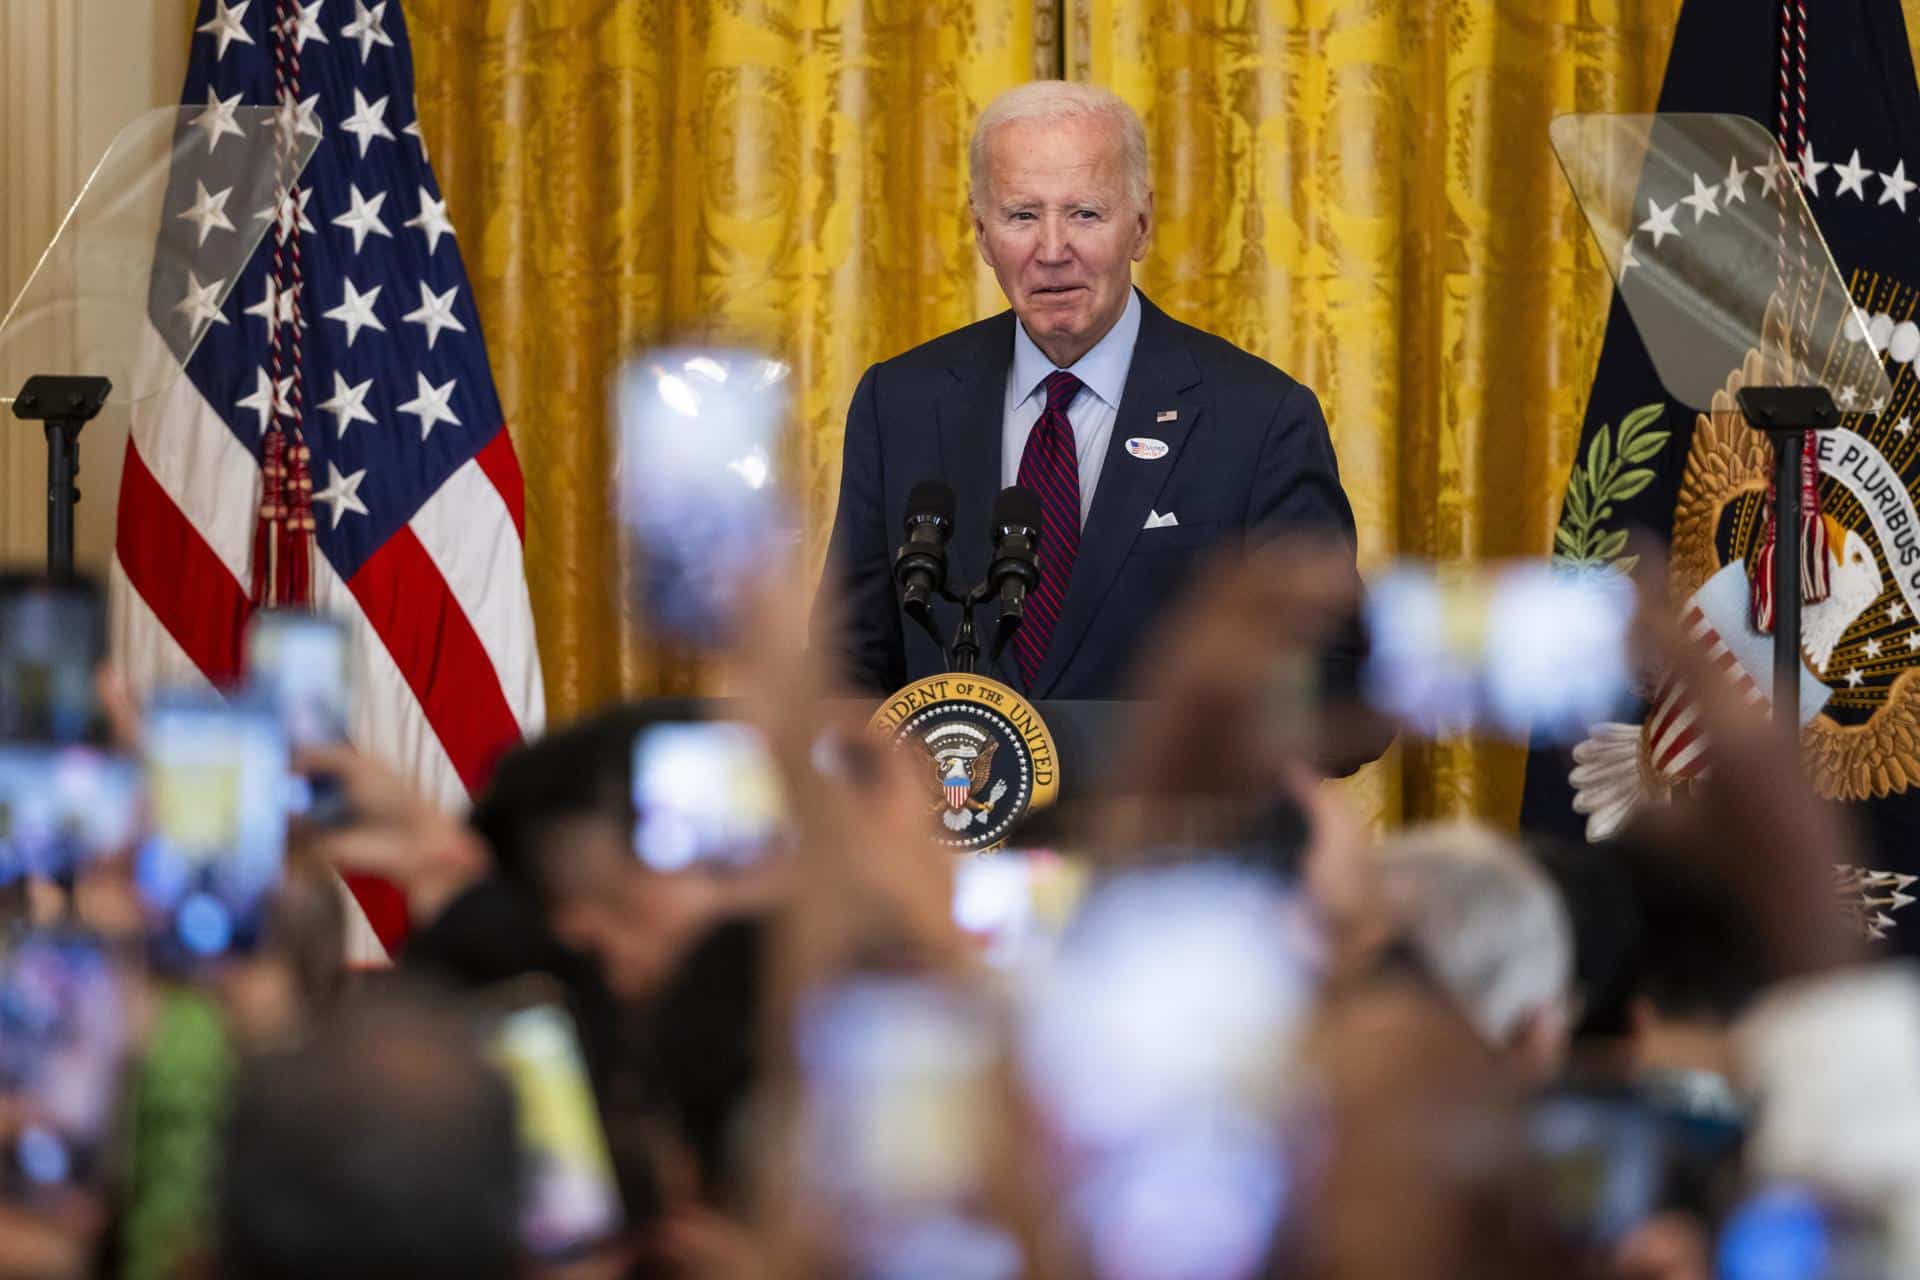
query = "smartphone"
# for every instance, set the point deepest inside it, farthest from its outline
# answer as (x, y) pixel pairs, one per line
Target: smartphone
(1016, 902)
(1599, 1162)
(1526, 650)
(63, 1041)
(571, 1201)
(895, 1074)
(217, 785)
(705, 796)
(1156, 1046)
(700, 494)
(52, 639)
(300, 662)
(62, 808)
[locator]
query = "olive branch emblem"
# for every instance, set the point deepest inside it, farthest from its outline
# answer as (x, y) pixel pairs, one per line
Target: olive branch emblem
(1607, 478)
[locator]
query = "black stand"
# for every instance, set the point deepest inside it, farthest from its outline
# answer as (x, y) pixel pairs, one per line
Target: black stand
(963, 651)
(1786, 414)
(963, 655)
(64, 405)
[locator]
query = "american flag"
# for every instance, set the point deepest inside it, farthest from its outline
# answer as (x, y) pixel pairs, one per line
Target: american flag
(377, 366)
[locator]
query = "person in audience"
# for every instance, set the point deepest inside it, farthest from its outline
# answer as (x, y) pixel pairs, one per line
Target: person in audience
(1486, 925)
(383, 1146)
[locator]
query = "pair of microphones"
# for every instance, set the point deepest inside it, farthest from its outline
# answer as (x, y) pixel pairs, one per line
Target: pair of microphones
(920, 566)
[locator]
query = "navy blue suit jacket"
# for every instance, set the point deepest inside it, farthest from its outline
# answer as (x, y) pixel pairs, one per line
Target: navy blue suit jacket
(1247, 453)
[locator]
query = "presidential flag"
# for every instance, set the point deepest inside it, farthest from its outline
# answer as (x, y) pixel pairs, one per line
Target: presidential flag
(1835, 84)
(336, 438)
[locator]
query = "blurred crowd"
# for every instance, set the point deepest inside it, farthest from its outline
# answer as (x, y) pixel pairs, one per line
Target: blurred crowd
(1216, 1028)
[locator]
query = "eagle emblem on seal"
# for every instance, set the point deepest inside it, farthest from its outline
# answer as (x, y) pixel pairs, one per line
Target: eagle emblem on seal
(961, 757)
(1859, 715)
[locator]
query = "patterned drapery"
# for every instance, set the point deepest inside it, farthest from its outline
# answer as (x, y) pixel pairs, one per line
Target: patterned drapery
(1358, 190)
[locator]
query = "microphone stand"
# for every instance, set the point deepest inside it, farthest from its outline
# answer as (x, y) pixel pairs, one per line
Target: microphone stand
(963, 655)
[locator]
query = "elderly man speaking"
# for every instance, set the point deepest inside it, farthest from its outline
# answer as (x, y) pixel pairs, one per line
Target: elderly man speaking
(1149, 443)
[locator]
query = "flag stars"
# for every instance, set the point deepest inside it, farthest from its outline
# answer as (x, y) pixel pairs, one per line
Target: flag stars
(431, 405)
(1811, 169)
(363, 219)
(413, 131)
(367, 122)
(1853, 176)
(1904, 426)
(1913, 641)
(1872, 647)
(342, 493)
(1659, 223)
(435, 313)
(209, 211)
(1735, 187)
(356, 311)
(1895, 186)
(269, 397)
(297, 120)
(1773, 174)
(227, 25)
(1703, 201)
(432, 220)
(218, 119)
(366, 28)
(288, 209)
(1896, 611)
(1854, 678)
(1628, 258)
(276, 307)
(305, 24)
(348, 405)
(201, 305)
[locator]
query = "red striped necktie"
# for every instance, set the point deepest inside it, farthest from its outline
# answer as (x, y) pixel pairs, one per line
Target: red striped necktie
(1051, 469)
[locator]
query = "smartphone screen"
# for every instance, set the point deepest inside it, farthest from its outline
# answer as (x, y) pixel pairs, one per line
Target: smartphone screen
(895, 1074)
(63, 807)
(62, 1042)
(1523, 650)
(571, 1200)
(217, 785)
(1600, 1163)
(52, 637)
(699, 487)
(299, 660)
(705, 795)
(1016, 902)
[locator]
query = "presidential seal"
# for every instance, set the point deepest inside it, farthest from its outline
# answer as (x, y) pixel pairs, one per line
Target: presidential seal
(989, 758)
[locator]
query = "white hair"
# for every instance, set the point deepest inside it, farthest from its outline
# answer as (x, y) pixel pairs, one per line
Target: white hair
(1050, 100)
(1484, 919)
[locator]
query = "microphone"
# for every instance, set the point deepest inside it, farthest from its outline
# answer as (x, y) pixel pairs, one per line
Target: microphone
(920, 566)
(1016, 523)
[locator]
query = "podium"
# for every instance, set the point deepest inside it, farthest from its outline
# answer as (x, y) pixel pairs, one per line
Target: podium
(1087, 736)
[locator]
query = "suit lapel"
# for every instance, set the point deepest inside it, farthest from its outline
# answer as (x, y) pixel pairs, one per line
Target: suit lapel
(972, 416)
(1162, 376)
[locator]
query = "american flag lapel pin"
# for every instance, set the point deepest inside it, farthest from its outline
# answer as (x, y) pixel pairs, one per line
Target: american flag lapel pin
(1167, 415)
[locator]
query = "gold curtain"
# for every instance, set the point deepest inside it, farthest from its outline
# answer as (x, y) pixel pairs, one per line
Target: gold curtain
(1359, 190)
(1362, 192)
(628, 172)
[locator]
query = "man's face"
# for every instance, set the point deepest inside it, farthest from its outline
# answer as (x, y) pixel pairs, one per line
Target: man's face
(1055, 223)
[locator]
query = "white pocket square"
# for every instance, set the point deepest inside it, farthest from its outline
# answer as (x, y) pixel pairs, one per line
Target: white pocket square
(1157, 521)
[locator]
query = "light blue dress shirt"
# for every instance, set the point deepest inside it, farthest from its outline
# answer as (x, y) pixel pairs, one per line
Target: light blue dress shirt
(1103, 374)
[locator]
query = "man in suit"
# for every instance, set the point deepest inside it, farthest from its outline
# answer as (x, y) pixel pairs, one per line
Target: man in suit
(1148, 442)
